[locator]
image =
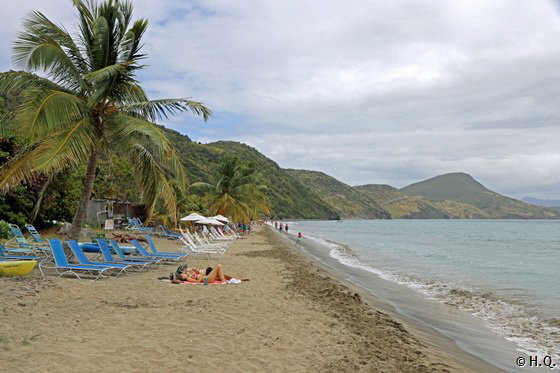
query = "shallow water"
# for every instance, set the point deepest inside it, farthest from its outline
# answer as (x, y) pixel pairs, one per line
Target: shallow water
(504, 272)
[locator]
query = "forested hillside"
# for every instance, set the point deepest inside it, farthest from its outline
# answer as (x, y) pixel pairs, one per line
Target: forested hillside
(348, 202)
(293, 194)
(288, 197)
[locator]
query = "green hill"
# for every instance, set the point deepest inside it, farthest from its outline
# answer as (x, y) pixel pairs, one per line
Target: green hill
(462, 188)
(345, 200)
(402, 206)
(288, 197)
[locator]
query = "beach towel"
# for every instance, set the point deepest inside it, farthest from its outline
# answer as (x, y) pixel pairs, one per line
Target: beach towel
(231, 281)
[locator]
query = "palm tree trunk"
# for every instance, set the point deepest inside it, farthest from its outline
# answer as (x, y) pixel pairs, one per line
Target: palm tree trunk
(74, 233)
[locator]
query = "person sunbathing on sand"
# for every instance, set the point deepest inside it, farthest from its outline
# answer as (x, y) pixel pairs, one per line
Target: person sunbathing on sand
(198, 274)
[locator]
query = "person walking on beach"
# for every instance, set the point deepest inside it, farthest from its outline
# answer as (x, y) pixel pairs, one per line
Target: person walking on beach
(275, 225)
(299, 238)
(286, 227)
(281, 227)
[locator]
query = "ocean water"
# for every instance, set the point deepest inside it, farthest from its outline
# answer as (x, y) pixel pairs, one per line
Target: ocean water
(504, 272)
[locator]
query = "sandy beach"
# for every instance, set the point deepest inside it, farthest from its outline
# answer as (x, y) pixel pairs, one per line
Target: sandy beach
(290, 317)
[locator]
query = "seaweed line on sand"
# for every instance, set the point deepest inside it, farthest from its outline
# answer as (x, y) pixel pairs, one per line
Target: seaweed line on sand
(371, 333)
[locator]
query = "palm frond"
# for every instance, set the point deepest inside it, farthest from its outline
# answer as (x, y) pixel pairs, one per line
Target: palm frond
(8, 126)
(39, 202)
(121, 127)
(51, 154)
(130, 44)
(152, 179)
(15, 82)
(202, 186)
(104, 74)
(156, 110)
(43, 112)
(38, 51)
(37, 23)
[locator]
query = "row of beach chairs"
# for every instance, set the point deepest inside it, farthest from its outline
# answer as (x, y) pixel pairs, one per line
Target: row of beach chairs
(214, 243)
(51, 255)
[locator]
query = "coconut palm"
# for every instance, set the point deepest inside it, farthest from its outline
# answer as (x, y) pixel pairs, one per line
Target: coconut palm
(235, 191)
(90, 103)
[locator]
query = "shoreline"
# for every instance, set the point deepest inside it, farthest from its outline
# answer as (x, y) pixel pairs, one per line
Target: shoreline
(426, 333)
(291, 316)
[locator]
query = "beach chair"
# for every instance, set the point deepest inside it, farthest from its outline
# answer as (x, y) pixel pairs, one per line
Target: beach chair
(36, 235)
(83, 259)
(195, 251)
(226, 231)
(38, 249)
(203, 241)
(108, 257)
(62, 266)
(169, 253)
(20, 251)
(190, 247)
(5, 251)
(166, 233)
(141, 227)
(196, 241)
(134, 224)
(214, 233)
(163, 258)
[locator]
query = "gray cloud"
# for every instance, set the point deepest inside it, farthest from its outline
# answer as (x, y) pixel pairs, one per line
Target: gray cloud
(367, 91)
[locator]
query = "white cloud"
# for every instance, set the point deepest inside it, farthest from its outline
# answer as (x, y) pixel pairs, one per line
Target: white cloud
(368, 91)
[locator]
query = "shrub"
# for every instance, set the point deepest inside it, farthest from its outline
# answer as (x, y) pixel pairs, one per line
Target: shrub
(4, 229)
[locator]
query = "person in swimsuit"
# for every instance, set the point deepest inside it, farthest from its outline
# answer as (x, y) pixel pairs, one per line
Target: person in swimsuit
(198, 274)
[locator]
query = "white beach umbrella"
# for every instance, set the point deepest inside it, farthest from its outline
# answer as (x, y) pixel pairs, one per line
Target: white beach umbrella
(209, 221)
(221, 218)
(193, 217)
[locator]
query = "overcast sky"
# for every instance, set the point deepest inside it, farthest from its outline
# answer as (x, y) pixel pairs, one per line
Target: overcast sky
(367, 91)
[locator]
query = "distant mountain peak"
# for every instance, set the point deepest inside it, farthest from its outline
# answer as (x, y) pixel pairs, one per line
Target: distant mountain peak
(463, 188)
(444, 186)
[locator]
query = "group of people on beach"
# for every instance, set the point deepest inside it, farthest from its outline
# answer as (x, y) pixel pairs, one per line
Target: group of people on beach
(281, 227)
(200, 275)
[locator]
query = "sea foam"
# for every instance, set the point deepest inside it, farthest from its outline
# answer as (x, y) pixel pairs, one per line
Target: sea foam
(515, 322)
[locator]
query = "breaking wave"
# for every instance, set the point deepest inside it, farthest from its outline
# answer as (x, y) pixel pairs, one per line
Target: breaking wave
(511, 319)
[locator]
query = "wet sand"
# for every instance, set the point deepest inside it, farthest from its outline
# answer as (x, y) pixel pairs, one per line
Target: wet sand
(291, 317)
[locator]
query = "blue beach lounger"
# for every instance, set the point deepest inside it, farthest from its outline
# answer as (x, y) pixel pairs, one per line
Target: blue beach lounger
(164, 258)
(170, 253)
(4, 256)
(36, 235)
(41, 249)
(164, 232)
(108, 257)
(62, 267)
(83, 259)
(20, 251)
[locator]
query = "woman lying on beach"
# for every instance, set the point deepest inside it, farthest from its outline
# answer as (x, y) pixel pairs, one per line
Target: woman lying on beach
(198, 274)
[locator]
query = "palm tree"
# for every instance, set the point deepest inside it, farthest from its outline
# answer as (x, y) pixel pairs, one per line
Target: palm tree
(235, 191)
(90, 103)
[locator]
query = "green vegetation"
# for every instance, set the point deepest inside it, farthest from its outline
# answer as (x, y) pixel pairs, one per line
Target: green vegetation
(235, 191)
(348, 202)
(4, 229)
(288, 197)
(90, 105)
